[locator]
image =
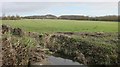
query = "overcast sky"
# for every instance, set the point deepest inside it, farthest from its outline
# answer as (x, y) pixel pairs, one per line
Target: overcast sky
(60, 8)
(59, 0)
(83, 7)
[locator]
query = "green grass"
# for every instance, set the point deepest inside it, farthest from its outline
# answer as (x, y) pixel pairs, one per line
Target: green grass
(47, 25)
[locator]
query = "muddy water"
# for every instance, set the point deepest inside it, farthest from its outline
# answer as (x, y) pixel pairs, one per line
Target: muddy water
(61, 61)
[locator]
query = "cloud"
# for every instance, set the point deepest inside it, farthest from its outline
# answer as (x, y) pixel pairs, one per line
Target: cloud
(59, 0)
(23, 7)
(58, 8)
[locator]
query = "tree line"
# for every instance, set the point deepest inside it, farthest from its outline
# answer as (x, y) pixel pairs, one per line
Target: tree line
(66, 17)
(99, 18)
(75, 17)
(17, 17)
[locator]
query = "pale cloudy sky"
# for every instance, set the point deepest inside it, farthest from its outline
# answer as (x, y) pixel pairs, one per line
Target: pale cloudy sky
(60, 7)
(59, 0)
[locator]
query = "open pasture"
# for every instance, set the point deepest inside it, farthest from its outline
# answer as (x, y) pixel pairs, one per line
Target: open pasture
(49, 25)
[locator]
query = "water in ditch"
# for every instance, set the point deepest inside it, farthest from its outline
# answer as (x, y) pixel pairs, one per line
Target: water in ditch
(60, 61)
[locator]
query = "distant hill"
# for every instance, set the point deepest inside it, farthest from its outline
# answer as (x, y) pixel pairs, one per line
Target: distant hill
(49, 16)
(66, 17)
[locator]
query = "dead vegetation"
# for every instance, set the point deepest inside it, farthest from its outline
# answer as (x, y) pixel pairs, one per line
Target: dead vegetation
(24, 48)
(86, 50)
(18, 49)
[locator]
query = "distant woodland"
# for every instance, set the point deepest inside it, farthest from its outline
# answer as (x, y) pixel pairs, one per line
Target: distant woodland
(66, 17)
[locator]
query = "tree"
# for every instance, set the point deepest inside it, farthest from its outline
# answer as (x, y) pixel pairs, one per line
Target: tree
(18, 17)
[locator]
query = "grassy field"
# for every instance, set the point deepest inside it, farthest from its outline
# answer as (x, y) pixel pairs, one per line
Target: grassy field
(94, 48)
(47, 25)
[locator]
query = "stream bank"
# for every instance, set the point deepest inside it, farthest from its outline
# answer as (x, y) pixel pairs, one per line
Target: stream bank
(96, 48)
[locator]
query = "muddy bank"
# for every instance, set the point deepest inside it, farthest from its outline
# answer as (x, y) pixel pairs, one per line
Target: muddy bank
(83, 51)
(86, 48)
(18, 49)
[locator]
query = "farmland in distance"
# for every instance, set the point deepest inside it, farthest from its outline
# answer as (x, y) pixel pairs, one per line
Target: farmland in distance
(49, 25)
